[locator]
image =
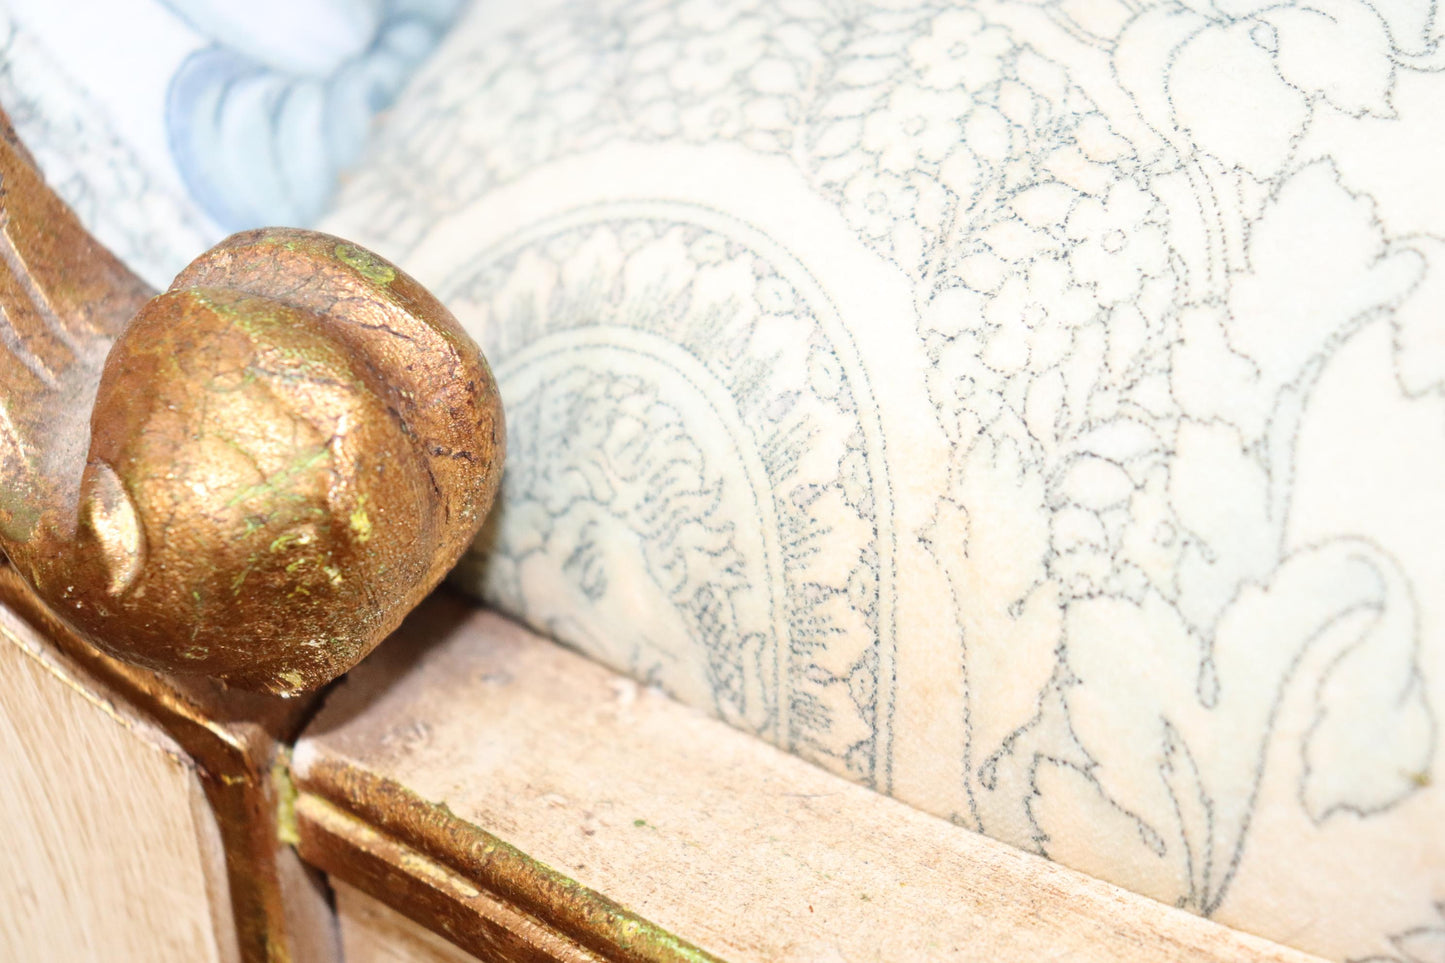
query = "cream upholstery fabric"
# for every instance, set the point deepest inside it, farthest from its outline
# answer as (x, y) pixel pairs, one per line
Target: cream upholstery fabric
(1031, 410)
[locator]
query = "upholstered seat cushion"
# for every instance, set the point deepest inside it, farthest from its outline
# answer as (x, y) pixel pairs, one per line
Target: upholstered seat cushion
(1030, 411)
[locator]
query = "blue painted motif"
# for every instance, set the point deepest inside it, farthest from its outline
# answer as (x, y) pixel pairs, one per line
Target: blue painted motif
(262, 122)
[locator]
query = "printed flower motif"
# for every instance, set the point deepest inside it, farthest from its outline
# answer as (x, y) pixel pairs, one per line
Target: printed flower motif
(960, 51)
(1118, 242)
(1032, 317)
(917, 125)
(967, 393)
(650, 104)
(1151, 542)
(718, 118)
(562, 59)
(1061, 355)
(1009, 350)
(710, 61)
(524, 146)
(874, 201)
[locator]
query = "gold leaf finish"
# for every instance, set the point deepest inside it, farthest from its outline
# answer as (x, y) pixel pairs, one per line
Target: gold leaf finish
(285, 451)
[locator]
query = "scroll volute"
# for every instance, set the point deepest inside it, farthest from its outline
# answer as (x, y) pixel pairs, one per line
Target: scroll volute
(253, 475)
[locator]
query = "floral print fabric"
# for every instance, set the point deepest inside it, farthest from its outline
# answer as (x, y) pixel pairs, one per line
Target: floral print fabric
(1031, 410)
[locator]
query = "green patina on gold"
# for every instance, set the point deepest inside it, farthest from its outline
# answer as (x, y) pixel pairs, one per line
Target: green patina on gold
(286, 828)
(623, 927)
(488, 862)
(272, 326)
(307, 458)
(18, 517)
(286, 539)
(368, 265)
(251, 400)
(293, 679)
(360, 521)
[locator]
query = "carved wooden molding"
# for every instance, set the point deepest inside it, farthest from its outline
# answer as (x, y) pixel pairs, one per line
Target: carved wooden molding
(473, 765)
(253, 475)
(246, 481)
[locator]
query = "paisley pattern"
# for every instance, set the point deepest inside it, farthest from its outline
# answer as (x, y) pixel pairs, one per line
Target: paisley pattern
(1145, 298)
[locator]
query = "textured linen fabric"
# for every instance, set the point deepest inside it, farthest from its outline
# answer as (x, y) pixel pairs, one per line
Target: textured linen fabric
(1032, 410)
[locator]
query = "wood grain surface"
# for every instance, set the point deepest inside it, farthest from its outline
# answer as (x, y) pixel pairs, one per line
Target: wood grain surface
(372, 932)
(110, 849)
(523, 769)
(236, 741)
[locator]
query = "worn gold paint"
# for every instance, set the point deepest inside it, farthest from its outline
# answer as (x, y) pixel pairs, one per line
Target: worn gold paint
(285, 793)
(371, 267)
(210, 480)
(487, 863)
